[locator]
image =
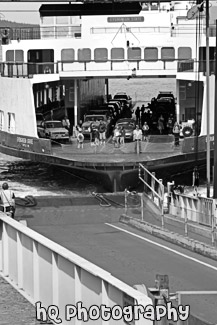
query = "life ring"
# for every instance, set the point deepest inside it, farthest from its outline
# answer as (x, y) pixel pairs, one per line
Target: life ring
(187, 131)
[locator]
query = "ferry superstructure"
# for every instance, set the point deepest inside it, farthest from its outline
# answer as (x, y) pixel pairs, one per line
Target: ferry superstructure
(75, 57)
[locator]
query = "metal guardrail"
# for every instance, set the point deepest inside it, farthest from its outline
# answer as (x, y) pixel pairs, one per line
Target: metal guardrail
(47, 273)
(200, 210)
(153, 187)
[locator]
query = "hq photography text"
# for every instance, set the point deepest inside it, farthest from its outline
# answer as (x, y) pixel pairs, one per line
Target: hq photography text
(128, 313)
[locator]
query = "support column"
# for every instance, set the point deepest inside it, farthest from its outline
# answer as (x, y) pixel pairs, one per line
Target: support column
(75, 102)
(107, 89)
(215, 132)
(177, 101)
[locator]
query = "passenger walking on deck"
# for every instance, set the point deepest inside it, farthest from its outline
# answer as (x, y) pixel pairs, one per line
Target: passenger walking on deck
(176, 132)
(102, 129)
(137, 137)
(80, 138)
(137, 113)
(7, 200)
(145, 130)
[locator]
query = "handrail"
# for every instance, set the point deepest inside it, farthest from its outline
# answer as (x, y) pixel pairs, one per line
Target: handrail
(159, 193)
(56, 275)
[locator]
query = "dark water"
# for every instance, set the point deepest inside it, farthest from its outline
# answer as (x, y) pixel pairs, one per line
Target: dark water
(29, 178)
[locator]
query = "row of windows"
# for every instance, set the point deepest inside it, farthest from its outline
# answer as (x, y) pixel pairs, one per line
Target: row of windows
(116, 54)
(133, 54)
(10, 122)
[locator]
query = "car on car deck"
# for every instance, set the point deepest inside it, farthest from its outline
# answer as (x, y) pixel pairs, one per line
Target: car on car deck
(94, 120)
(53, 130)
(129, 125)
(123, 97)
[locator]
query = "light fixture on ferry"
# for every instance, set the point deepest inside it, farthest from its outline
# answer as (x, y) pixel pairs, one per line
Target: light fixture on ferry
(46, 86)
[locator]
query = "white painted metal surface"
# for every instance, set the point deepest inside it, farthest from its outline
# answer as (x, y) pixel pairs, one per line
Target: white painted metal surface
(45, 271)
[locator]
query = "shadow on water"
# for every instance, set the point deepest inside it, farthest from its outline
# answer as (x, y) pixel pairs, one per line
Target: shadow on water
(30, 178)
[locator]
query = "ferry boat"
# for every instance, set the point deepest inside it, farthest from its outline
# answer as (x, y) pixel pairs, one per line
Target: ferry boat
(67, 65)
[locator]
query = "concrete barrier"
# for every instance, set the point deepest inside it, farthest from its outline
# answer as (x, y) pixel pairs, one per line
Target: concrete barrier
(50, 275)
(172, 237)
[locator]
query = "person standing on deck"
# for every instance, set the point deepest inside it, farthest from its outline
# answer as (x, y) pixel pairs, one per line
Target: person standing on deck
(145, 130)
(161, 124)
(137, 113)
(66, 123)
(102, 129)
(176, 132)
(80, 138)
(122, 135)
(137, 137)
(195, 180)
(170, 124)
(7, 200)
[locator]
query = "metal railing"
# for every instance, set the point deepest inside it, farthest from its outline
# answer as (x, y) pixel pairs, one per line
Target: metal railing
(22, 33)
(132, 66)
(154, 188)
(46, 272)
(195, 66)
(198, 209)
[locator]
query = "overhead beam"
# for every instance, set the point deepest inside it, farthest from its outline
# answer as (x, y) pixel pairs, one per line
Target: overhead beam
(87, 1)
(86, 9)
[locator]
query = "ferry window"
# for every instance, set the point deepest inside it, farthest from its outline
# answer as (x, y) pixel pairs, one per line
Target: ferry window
(62, 31)
(101, 54)
(11, 122)
(84, 55)
(154, 5)
(47, 20)
(19, 56)
(1, 120)
(168, 53)
(184, 53)
(117, 53)
(61, 20)
(68, 55)
(134, 53)
(10, 55)
(151, 54)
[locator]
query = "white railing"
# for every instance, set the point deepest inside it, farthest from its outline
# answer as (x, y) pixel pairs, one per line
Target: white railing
(153, 187)
(48, 273)
(198, 209)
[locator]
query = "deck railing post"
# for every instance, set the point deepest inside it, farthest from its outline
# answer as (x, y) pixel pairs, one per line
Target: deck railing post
(142, 206)
(5, 244)
(125, 201)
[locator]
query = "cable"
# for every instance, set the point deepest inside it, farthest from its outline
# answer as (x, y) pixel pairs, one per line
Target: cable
(103, 201)
(28, 201)
(114, 202)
